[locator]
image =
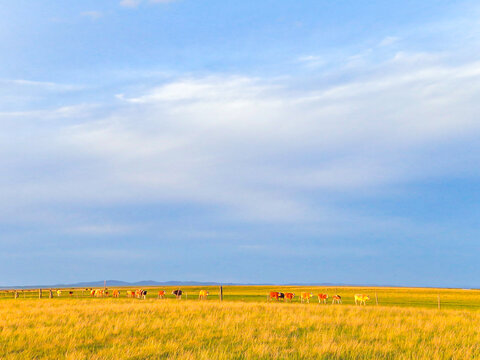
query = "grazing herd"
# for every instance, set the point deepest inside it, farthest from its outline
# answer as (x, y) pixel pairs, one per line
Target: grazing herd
(360, 299)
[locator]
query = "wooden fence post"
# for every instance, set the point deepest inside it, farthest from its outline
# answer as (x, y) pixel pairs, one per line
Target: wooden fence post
(438, 300)
(39, 293)
(50, 294)
(221, 293)
(15, 294)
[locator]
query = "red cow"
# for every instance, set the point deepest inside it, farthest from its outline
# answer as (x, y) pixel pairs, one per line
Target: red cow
(289, 296)
(322, 298)
(273, 295)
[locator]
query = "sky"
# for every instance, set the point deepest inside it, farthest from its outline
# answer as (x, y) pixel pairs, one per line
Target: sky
(240, 141)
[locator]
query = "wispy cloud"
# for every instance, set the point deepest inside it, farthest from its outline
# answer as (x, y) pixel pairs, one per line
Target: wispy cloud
(312, 60)
(130, 3)
(136, 3)
(389, 40)
(46, 85)
(94, 15)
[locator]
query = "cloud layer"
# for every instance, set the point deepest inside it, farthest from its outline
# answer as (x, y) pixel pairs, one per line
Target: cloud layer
(261, 149)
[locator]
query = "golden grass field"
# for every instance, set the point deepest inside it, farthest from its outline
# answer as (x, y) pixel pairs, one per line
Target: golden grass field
(406, 325)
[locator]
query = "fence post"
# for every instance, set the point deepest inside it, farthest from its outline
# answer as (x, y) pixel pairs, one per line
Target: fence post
(438, 300)
(221, 293)
(50, 294)
(39, 293)
(376, 298)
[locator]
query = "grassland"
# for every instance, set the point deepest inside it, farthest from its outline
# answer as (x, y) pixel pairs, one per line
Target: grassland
(406, 325)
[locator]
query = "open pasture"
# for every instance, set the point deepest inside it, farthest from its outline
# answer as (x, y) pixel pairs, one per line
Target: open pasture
(155, 329)
(386, 296)
(243, 326)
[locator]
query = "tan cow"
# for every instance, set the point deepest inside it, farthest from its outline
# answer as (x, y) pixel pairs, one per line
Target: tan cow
(202, 295)
(361, 299)
(305, 297)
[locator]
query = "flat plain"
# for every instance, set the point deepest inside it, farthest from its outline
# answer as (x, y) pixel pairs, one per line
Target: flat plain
(406, 324)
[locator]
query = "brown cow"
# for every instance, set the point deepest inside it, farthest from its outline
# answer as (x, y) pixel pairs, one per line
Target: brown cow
(336, 299)
(116, 293)
(161, 294)
(289, 296)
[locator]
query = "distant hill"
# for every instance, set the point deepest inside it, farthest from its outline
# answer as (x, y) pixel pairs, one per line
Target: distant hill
(119, 283)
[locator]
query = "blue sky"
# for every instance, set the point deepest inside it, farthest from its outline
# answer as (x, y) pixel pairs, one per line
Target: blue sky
(240, 141)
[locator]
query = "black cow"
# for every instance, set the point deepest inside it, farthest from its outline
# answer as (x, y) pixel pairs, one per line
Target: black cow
(281, 296)
(178, 293)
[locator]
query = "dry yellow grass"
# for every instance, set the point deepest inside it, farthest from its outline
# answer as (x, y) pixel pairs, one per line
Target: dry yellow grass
(169, 329)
